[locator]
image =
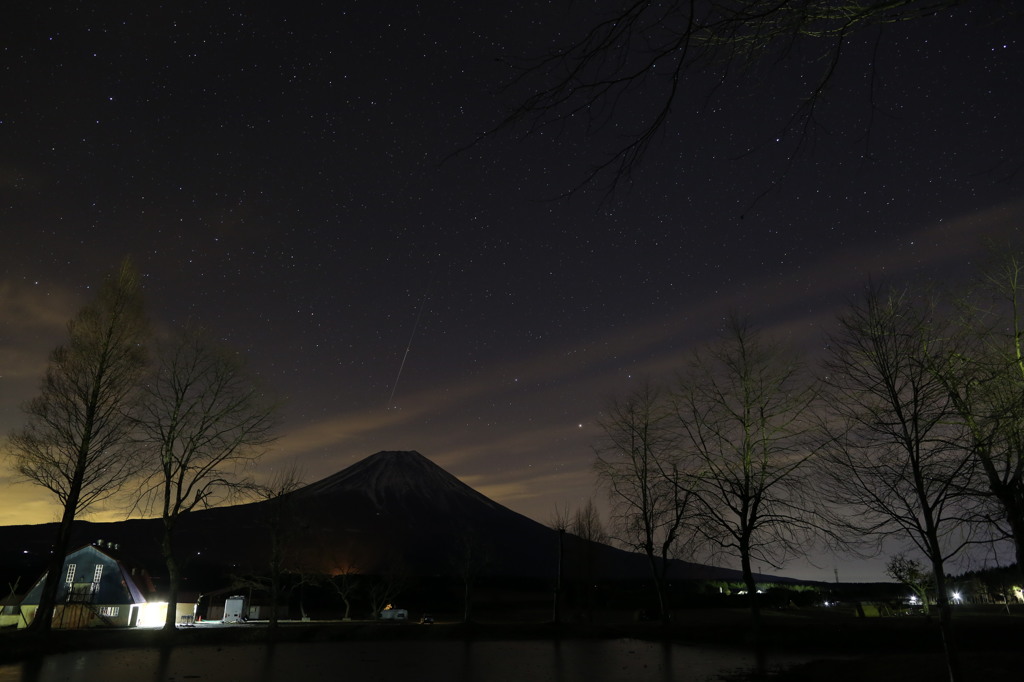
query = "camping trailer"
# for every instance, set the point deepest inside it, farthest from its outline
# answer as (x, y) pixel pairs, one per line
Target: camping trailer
(235, 609)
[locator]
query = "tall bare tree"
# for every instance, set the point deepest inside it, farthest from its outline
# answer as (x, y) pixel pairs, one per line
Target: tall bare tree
(638, 464)
(559, 522)
(277, 513)
(76, 443)
(589, 528)
(279, 519)
(744, 411)
(206, 423)
(893, 464)
(472, 555)
(985, 379)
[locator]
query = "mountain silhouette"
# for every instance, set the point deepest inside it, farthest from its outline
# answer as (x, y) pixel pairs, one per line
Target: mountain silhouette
(392, 511)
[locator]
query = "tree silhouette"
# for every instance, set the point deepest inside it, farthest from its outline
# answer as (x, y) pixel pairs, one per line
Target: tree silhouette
(744, 410)
(77, 441)
(639, 466)
(280, 525)
(205, 423)
(893, 464)
(985, 380)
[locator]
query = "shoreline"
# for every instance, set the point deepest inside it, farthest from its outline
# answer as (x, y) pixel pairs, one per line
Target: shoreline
(841, 649)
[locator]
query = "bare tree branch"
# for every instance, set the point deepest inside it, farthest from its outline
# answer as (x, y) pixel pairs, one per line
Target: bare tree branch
(634, 66)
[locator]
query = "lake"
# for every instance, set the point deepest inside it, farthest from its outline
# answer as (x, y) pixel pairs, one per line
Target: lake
(624, 660)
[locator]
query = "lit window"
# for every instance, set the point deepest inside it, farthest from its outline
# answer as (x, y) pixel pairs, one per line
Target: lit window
(109, 611)
(71, 574)
(98, 573)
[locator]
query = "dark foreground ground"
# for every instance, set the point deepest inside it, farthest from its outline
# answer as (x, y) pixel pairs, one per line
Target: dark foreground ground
(851, 649)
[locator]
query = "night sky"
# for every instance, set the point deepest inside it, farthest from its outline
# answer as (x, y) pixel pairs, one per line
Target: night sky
(283, 173)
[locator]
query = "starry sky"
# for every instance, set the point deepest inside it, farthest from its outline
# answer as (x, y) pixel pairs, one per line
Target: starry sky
(284, 173)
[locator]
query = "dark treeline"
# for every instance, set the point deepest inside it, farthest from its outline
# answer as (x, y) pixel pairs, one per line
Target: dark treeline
(908, 434)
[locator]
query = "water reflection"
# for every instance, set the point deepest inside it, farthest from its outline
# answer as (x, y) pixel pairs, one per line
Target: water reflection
(163, 663)
(269, 651)
(666, 661)
(443, 661)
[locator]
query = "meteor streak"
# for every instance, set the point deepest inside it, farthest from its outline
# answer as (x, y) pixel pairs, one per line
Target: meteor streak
(408, 347)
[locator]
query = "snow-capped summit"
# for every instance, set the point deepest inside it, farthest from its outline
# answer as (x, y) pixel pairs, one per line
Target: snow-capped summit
(397, 477)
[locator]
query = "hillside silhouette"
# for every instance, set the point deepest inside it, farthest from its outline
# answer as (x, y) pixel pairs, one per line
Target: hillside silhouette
(392, 511)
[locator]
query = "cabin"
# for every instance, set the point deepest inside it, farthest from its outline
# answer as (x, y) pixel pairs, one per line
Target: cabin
(101, 588)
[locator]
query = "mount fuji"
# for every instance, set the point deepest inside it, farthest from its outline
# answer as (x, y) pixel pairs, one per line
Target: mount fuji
(389, 511)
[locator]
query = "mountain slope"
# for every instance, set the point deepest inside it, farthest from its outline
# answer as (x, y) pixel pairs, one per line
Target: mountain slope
(393, 511)
(401, 508)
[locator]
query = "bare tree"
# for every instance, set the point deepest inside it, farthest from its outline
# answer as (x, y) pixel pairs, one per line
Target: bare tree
(472, 555)
(744, 413)
(346, 583)
(559, 522)
(387, 586)
(588, 527)
(638, 464)
(586, 523)
(77, 442)
(206, 423)
(892, 464)
(280, 517)
(580, 534)
(911, 573)
(345, 571)
(632, 68)
(984, 376)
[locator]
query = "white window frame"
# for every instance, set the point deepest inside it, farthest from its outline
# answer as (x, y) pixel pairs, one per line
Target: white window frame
(70, 576)
(97, 573)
